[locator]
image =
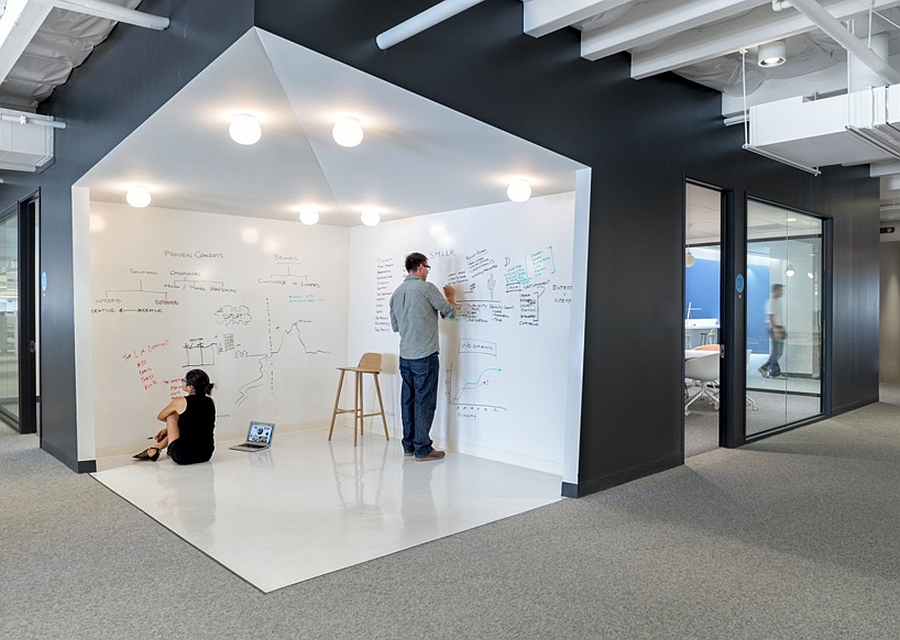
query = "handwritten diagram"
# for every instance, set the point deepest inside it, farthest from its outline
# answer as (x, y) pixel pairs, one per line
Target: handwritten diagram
(474, 396)
(387, 279)
(525, 282)
(137, 300)
(276, 337)
(233, 315)
(263, 323)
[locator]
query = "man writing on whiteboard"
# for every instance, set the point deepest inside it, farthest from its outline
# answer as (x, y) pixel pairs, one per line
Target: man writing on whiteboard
(415, 306)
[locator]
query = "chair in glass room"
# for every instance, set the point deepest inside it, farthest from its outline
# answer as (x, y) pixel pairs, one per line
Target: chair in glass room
(703, 376)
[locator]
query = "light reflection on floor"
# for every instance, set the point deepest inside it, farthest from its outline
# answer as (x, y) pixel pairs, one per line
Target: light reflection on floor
(308, 507)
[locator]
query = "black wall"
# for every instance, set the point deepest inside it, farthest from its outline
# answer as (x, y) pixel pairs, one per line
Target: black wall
(641, 139)
(124, 81)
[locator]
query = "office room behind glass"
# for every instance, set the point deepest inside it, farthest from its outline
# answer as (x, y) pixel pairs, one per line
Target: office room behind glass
(784, 247)
(702, 278)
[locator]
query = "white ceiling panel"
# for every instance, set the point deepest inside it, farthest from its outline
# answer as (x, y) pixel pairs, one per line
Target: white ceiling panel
(417, 157)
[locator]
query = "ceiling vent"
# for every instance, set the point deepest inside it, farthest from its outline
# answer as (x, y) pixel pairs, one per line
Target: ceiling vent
(858, 128)
(26, 140)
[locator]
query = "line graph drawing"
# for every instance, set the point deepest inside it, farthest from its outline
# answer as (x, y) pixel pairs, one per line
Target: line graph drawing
(481, 381)
(275, 339)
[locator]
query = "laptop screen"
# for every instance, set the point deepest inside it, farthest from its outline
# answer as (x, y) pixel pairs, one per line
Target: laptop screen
(260, 432)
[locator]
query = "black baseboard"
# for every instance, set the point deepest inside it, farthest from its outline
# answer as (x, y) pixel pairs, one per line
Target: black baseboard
(78, 466)
(853, 405)
(571, 490)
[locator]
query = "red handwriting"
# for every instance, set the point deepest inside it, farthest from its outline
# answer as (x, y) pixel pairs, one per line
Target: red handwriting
(142, 366)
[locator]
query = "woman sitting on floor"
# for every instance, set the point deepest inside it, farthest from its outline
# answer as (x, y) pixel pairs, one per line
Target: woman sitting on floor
(190, 421)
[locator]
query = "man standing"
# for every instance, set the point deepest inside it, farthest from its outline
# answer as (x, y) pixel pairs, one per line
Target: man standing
(415, 306)
(777, 334)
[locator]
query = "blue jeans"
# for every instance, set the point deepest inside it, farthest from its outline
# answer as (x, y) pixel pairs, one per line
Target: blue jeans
(418, 399)
(776, 349)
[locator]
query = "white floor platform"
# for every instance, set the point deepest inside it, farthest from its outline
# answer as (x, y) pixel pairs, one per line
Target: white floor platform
(307, 506)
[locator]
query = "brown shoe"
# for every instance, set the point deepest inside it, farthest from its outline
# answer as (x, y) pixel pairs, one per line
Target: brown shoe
(434, 455)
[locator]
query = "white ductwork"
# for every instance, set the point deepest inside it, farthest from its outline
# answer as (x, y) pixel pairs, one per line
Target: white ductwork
(110, 11)
(859, 128)
(827, 23)
(23, 145)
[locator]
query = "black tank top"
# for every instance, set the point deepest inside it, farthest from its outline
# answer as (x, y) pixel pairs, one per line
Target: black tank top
(197, 423)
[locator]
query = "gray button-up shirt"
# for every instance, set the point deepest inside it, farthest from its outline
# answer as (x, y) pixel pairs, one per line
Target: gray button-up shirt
(415, 306)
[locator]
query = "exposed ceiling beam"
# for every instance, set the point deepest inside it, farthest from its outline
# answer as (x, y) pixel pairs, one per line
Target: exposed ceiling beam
(649, 22)
(880, 169)
(826, 22)
(18, 24)
(110, 11)
(756, 27)
(541, 17)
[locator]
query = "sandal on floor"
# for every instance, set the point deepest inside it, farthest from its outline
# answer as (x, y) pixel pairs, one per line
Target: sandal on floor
(144, 455)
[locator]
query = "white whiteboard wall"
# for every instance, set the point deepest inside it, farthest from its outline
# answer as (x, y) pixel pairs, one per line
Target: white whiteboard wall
(260, 305)
(263, 307)
(504, 361)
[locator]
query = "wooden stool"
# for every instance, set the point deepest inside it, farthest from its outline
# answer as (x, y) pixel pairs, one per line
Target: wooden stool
(369, 363)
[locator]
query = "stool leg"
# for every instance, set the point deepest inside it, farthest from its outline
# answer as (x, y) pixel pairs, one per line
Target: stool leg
(362, 406)
(381, 406)
(337, 399)
(356, 417)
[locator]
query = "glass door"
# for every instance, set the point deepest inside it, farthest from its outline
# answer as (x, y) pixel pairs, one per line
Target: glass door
(784, 317)
(702, 319)
(9, 316)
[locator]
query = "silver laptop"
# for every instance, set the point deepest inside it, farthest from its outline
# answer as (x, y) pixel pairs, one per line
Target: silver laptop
(259, 437)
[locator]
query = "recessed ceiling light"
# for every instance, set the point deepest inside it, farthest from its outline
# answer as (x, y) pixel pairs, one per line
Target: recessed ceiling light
(347, 132)
(244, 129)
(309, 215)
(518, 190)
(370, 217)
(138, 197)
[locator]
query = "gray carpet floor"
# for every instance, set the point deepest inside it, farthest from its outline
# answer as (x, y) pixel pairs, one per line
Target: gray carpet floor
(701, 427)
(792, 537)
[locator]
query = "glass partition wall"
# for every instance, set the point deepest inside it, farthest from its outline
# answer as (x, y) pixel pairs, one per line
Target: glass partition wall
(784, 317)
(9, 317)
